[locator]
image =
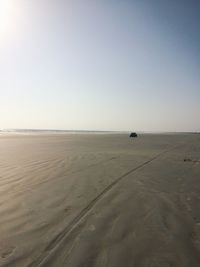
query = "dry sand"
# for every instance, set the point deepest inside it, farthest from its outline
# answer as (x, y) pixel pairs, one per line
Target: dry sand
(84, 200)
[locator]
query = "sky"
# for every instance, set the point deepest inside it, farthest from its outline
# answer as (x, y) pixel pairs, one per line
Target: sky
(100, 65)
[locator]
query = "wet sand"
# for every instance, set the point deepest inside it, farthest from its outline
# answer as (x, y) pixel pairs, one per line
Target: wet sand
(94, 200)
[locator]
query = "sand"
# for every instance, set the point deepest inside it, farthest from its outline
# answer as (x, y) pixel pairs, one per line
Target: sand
(84, 200)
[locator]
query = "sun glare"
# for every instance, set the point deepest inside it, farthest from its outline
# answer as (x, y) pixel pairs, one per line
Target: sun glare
(7, 17)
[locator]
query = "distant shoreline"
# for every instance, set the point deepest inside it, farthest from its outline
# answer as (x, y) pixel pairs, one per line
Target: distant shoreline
(51, 131)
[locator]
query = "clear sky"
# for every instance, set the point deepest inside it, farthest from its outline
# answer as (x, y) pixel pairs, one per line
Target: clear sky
(100, 64)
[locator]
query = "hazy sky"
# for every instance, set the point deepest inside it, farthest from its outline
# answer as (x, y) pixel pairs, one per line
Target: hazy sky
(100, 64)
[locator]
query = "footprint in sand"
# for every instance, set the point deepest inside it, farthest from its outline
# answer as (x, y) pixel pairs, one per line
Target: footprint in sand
(5, 253)
(92, 228)
(67, 209)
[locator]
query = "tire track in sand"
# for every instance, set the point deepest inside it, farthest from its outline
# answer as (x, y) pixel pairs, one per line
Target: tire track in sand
(54, 244)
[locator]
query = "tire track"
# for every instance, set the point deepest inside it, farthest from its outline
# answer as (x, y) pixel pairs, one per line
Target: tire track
(54, 244)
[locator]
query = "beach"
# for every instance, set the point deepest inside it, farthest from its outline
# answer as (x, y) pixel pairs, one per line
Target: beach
(94, 200)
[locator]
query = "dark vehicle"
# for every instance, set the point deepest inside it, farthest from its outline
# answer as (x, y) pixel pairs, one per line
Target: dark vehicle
(133, 135)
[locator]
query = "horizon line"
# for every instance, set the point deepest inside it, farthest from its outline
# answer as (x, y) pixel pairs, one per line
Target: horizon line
(86, 130)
